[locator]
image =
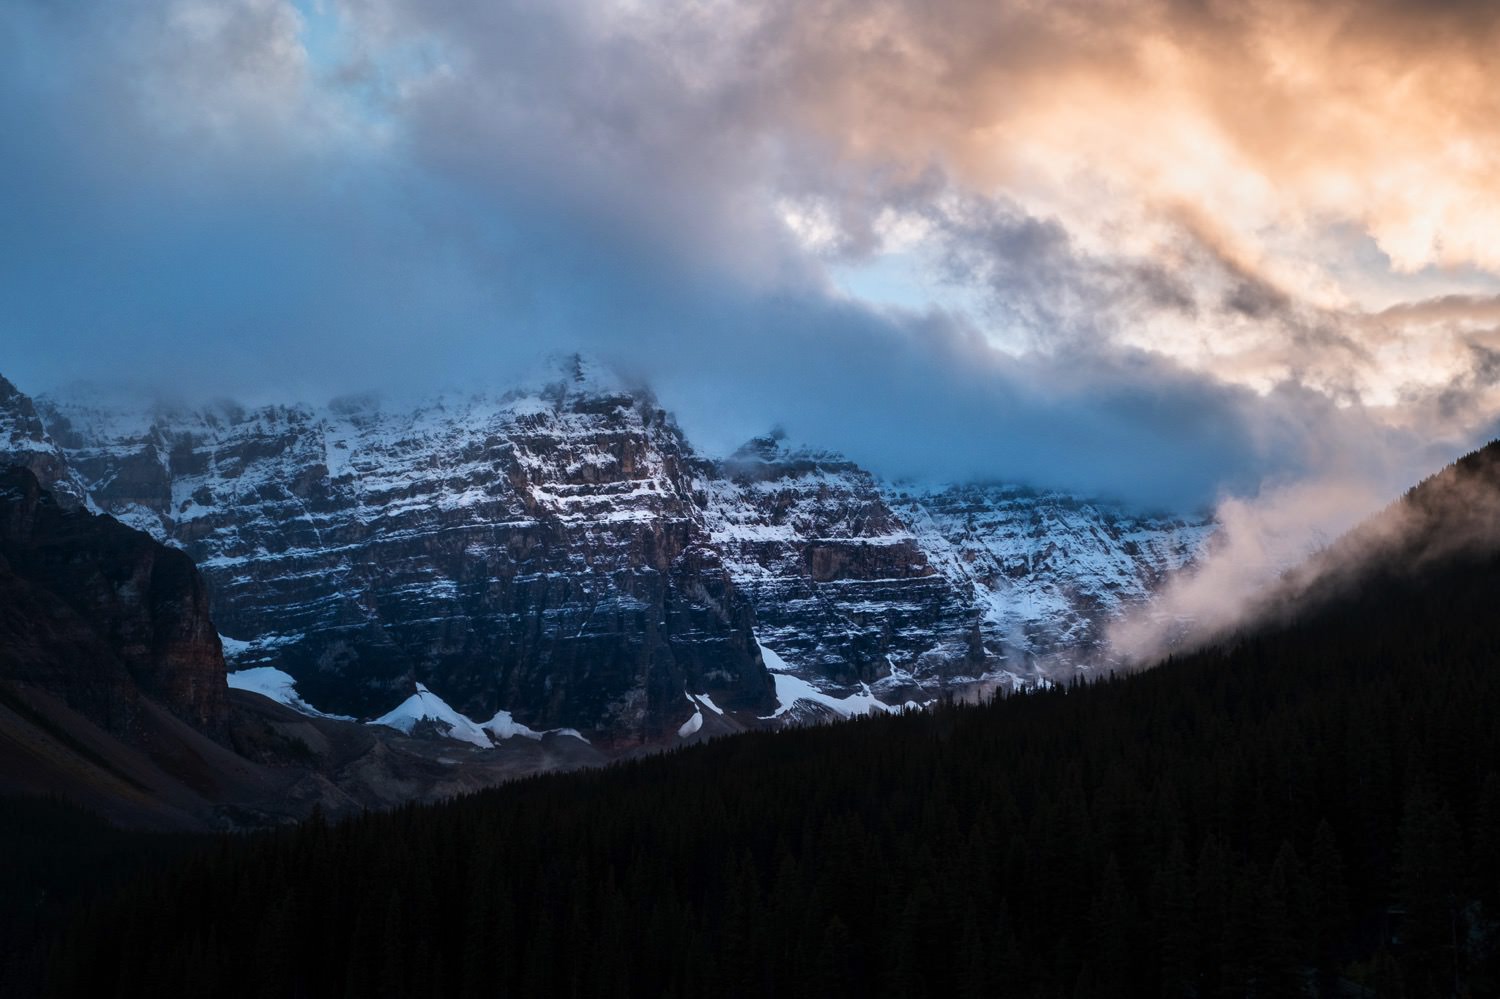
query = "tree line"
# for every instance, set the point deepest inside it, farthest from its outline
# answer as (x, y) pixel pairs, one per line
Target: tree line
(1313, 810)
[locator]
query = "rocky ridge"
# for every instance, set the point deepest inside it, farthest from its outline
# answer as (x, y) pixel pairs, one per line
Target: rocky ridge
(541, 552)
(844, 590)
(24, 441)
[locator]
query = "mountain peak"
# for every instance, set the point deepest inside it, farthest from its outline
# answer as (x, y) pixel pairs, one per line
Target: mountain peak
(579, 375)
(776, 447)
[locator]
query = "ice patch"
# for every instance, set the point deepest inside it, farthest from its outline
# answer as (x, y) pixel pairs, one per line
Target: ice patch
(773, 662)
(278, 686)
(690, 726)
(424, 705)
(235, 647)
(791, 689)
(503, 726)
(238, 650)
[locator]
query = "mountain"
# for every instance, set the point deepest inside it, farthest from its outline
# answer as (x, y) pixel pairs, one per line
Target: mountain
(841, 586)
(560, 552)
(541, 552)
(1309, 808)
(857, 580)
(1047, 569)
(112, 682)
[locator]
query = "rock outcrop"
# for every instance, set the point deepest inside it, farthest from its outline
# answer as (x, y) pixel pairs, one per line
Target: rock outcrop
(99, 614)
(24, 441)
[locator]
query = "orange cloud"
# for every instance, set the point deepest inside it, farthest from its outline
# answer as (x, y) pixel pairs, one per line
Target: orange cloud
(1318, 157)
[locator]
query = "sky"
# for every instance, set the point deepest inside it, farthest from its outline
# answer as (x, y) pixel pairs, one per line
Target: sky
(1180, 252)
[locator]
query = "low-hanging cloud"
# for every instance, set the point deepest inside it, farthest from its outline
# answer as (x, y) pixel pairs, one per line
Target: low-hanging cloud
(1259, 540)
(1284, 553)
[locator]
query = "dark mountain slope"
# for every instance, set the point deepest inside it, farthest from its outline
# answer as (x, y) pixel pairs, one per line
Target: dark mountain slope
(1303, 809)
(103, 614)
(1447, 522)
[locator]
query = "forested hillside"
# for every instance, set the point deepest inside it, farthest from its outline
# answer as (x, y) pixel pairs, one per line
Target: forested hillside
(1293, 813)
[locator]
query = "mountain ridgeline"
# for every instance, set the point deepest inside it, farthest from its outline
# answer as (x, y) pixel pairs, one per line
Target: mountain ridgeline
(560, 552)
(1312, 808)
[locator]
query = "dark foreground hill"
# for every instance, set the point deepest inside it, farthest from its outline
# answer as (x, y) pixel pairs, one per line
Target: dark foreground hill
(1311, 809)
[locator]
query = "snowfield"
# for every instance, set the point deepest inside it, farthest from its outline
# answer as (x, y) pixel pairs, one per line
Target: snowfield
(278, 686)
(426, 706)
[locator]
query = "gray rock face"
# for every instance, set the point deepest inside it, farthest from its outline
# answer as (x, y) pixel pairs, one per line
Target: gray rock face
(1047, 570)
(24, 441)
(562, 553)
(843, 588)
(858, 581)
(542, 552)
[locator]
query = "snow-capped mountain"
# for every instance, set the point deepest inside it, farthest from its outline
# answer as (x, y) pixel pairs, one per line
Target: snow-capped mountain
(540, 552)
(1046, 569)
(24, 441)
(561, 555)
(854, 580)
(842, 587)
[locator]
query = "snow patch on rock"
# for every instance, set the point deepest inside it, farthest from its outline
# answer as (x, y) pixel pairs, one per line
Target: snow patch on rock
(790, 689)
(278, 686)
(708, 702)
(424, 705)
(503, 726)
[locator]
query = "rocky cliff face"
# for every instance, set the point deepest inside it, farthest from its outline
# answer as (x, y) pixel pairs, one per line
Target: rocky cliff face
(24, 441)
(561, 553)
(855, 581)
(542, 552)
(98, 613)
(843, 588)
(1046, 570)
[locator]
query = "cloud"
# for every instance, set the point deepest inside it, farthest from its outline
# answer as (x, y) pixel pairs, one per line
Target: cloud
(1260, 539)
(1282, 552)
(1153, 228)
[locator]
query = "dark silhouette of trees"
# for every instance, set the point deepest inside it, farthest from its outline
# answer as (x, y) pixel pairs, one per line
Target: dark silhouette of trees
(1313, 809)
